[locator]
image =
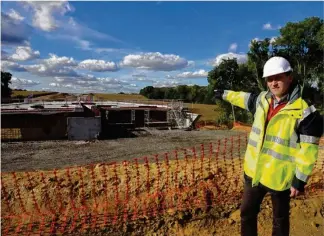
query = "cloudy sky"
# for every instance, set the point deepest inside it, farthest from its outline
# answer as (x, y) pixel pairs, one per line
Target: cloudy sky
(125, 46)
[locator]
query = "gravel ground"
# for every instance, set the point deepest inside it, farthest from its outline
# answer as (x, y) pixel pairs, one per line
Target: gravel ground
(47, 155)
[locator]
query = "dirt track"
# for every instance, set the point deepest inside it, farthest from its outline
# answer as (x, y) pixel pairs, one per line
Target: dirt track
(47, 155)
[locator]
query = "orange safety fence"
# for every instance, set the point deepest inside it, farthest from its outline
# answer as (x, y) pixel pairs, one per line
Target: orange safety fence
(98, 196)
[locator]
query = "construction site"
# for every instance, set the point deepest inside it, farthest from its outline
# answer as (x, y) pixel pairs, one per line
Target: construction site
(88, 120)
(87, 167)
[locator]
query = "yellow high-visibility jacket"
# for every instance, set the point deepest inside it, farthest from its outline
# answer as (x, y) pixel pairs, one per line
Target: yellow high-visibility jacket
(284, 153)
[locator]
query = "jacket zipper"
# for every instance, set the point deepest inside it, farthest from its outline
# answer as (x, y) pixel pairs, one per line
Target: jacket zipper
(265, 130)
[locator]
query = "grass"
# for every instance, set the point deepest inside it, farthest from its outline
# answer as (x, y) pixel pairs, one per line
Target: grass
(207, 112)
(16, 93)
(114, 97)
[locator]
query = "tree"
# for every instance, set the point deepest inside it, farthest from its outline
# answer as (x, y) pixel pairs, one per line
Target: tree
(147, 91)
(258, 54)
(302, 44)
(183, 92)
(5, 81)
(229, 75)
(170, 93)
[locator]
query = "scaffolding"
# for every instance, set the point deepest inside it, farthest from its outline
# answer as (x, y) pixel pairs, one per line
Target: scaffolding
(177, 114)
(147, 118)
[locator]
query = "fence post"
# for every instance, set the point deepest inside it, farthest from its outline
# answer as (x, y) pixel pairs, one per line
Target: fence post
(18, 193)
(94, 216)
(146, 200)
(126, 202)
(210, 155)
(116, 193)
(224, 156)
(104, 172)
(202, 157)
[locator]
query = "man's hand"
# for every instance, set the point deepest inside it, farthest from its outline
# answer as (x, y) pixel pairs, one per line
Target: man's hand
(219, 94)
(294, 192)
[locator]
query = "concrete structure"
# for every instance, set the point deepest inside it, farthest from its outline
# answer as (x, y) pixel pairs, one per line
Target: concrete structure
(59, 119)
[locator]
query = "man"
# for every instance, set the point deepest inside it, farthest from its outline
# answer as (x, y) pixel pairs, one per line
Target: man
(282, 146)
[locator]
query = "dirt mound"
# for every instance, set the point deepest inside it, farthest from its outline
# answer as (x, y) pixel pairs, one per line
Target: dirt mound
(239, 126)
(69, 188)
(57, 97)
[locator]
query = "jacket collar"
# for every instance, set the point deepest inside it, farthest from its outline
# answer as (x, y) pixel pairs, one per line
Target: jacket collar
(294, 93)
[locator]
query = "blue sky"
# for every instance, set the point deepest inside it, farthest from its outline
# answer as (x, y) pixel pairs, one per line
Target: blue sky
(110, 47)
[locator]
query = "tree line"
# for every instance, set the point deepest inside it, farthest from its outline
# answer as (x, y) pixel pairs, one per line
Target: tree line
(301, 43)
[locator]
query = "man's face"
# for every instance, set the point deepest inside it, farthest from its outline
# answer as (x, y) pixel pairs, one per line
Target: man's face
(279, 84)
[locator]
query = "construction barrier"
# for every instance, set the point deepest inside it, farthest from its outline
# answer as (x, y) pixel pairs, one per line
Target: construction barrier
(207, 177)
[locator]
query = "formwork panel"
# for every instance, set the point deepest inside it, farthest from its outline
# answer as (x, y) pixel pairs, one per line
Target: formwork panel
(84, 128)
(139, 118)
(158, 116)
(30, 127)
(118, 116)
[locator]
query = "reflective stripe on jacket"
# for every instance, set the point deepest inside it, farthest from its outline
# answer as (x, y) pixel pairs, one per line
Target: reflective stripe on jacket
(287, 150)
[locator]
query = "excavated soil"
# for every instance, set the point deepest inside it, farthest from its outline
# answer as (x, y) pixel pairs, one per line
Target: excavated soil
(307, 211)
(47, 155)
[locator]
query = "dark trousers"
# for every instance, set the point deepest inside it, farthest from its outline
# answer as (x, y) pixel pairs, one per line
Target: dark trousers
(252, 199)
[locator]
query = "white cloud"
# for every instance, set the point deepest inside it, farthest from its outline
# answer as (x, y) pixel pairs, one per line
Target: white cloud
(79, 43)
(273, 40)
(72, 22)
(190, 75)
(167, 83)
(57, 61)
(232, 47)
(44, 13)
(24, 53)
(91, 83)
(268, 26)
(84, 44)
(46, 89)
(50, 70)
(142, 79)
(69, 86)
(100, 50)
(241, 58)
(72, 27)
(57, 85)
(155, 61)
(191, 63)
(4, 55)
(22, 83)
(54, 66)
(54, 85)
(13, 66)
(15, 15)
(140, 75)
(14, 32)
(112, 81)
(114, 50)
(79, 78)
(98, 65)
(256, 39)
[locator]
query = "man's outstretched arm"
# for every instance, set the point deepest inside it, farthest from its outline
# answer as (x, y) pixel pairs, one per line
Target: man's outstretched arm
(247, 101)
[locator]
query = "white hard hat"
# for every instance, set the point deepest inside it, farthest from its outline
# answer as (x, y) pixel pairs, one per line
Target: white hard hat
(276, 65)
